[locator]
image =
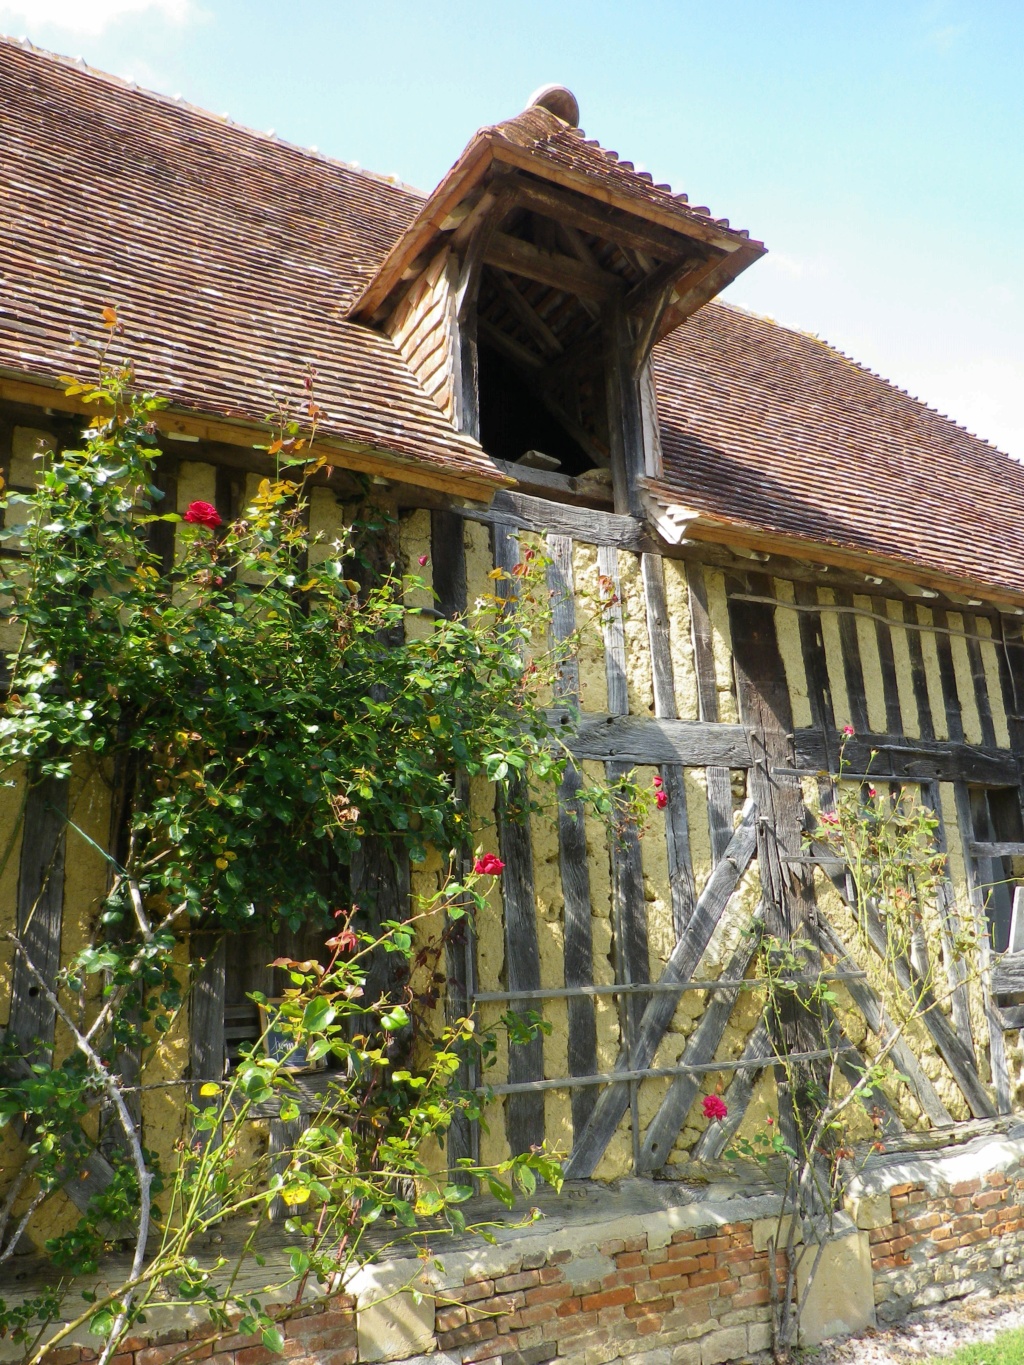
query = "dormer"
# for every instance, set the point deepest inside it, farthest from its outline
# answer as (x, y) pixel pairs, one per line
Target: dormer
(527, 294)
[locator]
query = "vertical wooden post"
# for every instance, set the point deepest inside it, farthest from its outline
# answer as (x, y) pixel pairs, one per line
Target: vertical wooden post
(572, 849)
(718, 780)
(625, 419)
(40, 917)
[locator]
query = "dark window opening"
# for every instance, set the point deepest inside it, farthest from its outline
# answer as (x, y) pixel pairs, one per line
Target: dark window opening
(514, 421)
(996, 819)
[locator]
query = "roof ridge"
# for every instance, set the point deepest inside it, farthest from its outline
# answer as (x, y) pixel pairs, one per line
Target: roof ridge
(222, 120)
(864, 369)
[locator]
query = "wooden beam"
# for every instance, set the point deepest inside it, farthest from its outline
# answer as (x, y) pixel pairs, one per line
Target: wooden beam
(578, 948)
(917, 760)
(40, 911)
(588, 524)
(643, 741)
(551, 268)
(599, 220)
(508, 346)
(525, 312)
(614, 1100)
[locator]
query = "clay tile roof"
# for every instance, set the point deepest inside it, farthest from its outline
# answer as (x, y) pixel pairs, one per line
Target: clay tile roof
(568, 149)
(773, 431)
(231, 255)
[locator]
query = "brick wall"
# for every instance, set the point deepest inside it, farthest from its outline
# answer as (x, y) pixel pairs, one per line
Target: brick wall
(706, 1294)
(949, 1242)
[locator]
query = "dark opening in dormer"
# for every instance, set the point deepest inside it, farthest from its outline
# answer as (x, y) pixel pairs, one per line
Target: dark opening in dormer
(516, 426)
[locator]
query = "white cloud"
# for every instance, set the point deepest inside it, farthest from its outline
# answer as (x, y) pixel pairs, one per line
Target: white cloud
(89, 17)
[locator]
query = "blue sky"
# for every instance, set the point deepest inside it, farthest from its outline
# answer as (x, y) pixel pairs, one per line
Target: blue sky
(876, 146)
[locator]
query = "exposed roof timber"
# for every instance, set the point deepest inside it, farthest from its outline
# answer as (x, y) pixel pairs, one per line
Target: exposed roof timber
(514, 350)
(551, 268)
(702, 284)
(363, 459)
(600, 220)
(705, 230)
(526, 314)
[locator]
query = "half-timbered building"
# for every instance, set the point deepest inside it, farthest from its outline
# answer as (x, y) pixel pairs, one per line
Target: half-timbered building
(791, 545)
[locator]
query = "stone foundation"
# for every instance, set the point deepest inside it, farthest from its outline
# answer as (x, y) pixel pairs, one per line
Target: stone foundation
(663, 1272)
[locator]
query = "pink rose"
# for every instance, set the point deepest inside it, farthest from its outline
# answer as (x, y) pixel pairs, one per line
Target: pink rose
(661, 799)
(203, 514)
(490, 865)
(422, 561)
(848, 731)
(714, 1107)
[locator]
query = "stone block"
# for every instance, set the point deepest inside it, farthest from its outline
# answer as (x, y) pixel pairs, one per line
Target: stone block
(840, 1299)
(395, 1327)
(730, 1344)
(870, 1211)
(686, 1353)
(759, 1337)
(763, 1229)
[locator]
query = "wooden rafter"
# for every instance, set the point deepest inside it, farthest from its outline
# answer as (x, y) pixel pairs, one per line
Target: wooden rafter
(551, 268)
(524, 311)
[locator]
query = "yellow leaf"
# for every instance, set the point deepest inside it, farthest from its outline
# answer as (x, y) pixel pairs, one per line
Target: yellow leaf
(209, 1089)
(109, 317)
(222, 863)
(496, 573)
(434, 722)
(295, 1194)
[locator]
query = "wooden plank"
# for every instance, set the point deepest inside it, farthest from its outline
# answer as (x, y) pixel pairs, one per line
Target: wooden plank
(525, 312)
(625, 420)
(916, 760)
(870, 1005)
(551, 268)
(642, 741)
(206, 1011)
(448, 564)
(719, 810)
(980, 849)
(853, 669)
(39, 917)
(890, 683)
(715, 1137)
(1010, 652)
(918, 676)
(524, 1113)
(988, 729)
(947, 674)
(613, 631)
(812, 647)
(1008, 974)
(587, 524)
(945, 897)
(719, 781)
(701, 1046)
(578, 949)
(677, 830)
(284, 1134)
(599, 220)
(657, 1017)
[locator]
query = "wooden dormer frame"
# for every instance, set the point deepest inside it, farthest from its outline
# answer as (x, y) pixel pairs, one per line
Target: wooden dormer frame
(552, 243)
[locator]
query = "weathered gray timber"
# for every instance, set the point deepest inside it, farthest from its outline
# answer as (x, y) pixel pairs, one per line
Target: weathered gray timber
(677, 828)
(719, 785)
(701, 1046)
(520, 511)
(945, 898)
(578, 948)
(887, 660)
(916, 760)
(206, 1011)
(612, 1104)
(878, 1021)
(853, 669)
(644, 741)
(40, 916)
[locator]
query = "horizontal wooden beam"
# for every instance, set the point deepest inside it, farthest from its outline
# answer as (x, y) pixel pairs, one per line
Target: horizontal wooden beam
(646, 741)
(912, 760)
(996, 850)
(588, 524)
(600, 220)
(1008, 974)
(552, 268)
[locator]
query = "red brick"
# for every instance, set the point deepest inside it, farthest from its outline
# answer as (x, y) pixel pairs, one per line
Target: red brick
(897, 1190)
(698, 1247)
(946, 1244)
(468, 1293)
(986, 1200)
(548, 1293)
(752, 1298)
(656, 1257)
(530, 1317)
(996, 1178)
(637, 1275)
(567, 1309)
(608, 1298)
(470, 1332)
(348, 1356)
(526, 1279)
(643, 1310)
(447, 1319)
(63, 1355)
(708, 1277)
(675, 1286)
(626, 1260)
(672, 1269)
(971, 1239)
(924, 1223)
(648, 1326)
(486, 1350)
(965, 1187)
(254, 1355)
(891, 1262)
(684, 1235)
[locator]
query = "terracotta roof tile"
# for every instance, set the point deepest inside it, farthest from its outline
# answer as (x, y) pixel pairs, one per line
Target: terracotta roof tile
(232, 256)
(775, 431)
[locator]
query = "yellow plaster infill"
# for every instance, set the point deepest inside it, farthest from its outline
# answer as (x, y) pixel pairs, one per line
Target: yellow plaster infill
(990, 658)
(834, 658)
(871, 665)
(196, 483)
(593, 682)
(639, 683)
(964, 681)
(167, 1059)
(933, 678)
(326, 524)
(414, 540)
(904, 669)
(787, 632)
(680, 633)
(29, 446)
(721, 644)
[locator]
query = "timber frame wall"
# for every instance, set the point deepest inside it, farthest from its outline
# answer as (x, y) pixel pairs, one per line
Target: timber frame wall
(731, 678)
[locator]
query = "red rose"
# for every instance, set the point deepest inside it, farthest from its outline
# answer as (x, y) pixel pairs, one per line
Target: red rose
(422, 561)
(203, 514)
(848, 731)
(490, 865)
(657, 781)
(714, 1108)
(661, 799)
